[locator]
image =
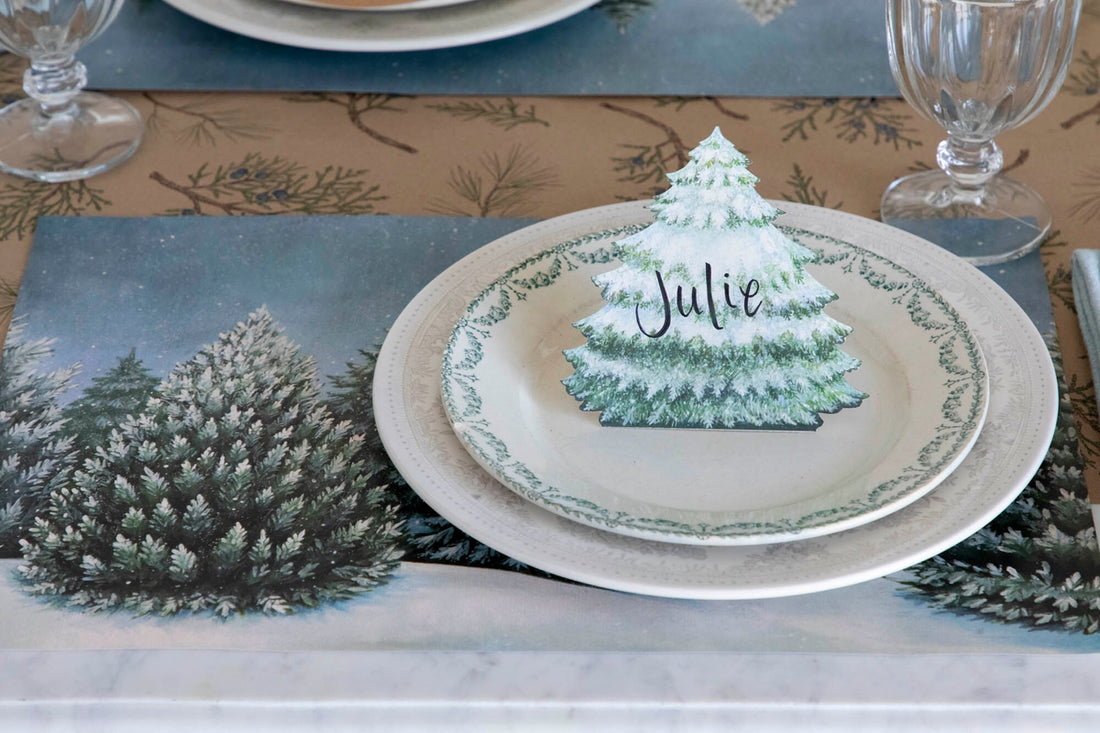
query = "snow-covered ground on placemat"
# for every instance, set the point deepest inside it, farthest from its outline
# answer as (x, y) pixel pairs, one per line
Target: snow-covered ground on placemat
(438, 607)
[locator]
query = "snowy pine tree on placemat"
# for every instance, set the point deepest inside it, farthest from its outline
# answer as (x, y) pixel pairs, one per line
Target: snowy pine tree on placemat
(235, 489)
(765, 11)
(427, 537)
(35, 453)
(1037, 563)
(712, 321)
(112, 397)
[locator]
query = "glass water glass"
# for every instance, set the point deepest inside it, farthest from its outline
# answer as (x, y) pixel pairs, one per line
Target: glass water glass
(61, 133)
(976, 67)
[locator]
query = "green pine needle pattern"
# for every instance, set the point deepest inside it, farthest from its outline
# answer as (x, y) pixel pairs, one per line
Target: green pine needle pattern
(426, 536)
(23, 202)
(506, 114)
(262, 185)
(852, 120)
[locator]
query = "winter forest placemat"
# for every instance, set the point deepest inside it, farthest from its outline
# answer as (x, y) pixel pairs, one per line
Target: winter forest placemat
(172, 319)
(670, 47)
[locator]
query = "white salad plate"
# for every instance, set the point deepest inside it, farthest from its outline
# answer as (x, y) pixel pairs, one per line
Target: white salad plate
(1023, 401)
(922, 367)
(351, 30)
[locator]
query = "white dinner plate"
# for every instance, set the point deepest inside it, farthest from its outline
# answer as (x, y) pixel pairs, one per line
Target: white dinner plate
(412, 30)
(378, 5)
(503, 393)
(1023, 402)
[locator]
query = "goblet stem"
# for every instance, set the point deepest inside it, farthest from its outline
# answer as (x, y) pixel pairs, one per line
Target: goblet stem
(55, 84)
(969, 164)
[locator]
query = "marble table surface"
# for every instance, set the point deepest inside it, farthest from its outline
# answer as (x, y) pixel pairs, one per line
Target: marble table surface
(124, 691)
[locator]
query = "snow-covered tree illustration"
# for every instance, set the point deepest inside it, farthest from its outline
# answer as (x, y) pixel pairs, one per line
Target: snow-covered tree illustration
(1037, 563)
(111, 398)
(623, 12)
(427, 536)
(235, 489)
(35, 455)
(712, 321)
(765, 11)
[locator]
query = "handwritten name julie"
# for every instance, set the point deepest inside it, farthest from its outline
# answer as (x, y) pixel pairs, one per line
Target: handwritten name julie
(748, 291)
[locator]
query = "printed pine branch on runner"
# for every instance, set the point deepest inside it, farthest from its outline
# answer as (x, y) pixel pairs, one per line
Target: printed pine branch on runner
(803, 190)
(22, 202)
(1059, 277)
(852, 120)
(202, 122)
(8, 293)
(259, 185)
(1083, 80)
(499, 185)
(649, 162)
(357, 106)
(507, 114)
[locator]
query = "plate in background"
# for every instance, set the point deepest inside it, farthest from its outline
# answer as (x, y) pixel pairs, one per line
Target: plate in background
(414, 30)
(377, 5)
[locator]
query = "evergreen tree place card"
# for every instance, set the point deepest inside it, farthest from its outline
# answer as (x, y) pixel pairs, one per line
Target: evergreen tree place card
(750, 346)
(146, 345)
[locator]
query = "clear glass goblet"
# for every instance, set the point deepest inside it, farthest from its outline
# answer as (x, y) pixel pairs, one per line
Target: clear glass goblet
(976, 67)
(61, 133)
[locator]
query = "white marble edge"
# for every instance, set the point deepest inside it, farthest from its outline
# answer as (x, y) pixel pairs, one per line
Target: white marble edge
(336, 719)
(122, 691)
(653, 679)
(173, 718)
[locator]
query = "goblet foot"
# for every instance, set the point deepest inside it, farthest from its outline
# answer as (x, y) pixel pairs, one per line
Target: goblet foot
(1001, 221)
(92, 134)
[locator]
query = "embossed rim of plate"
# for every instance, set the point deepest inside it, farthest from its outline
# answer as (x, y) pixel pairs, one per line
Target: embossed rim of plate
(391, 6)
(1023, 408)
(351, 30)
(937, 435)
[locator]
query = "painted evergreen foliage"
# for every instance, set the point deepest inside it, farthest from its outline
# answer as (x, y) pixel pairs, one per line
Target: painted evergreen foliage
(111, 398)
(35, 454)
(1037, 563)
(712, 320)
(234, 490)
(765, 11)
(623, 12)
(427, 537)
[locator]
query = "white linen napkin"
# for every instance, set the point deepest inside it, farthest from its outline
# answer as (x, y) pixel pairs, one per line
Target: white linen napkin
(1086, 295)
